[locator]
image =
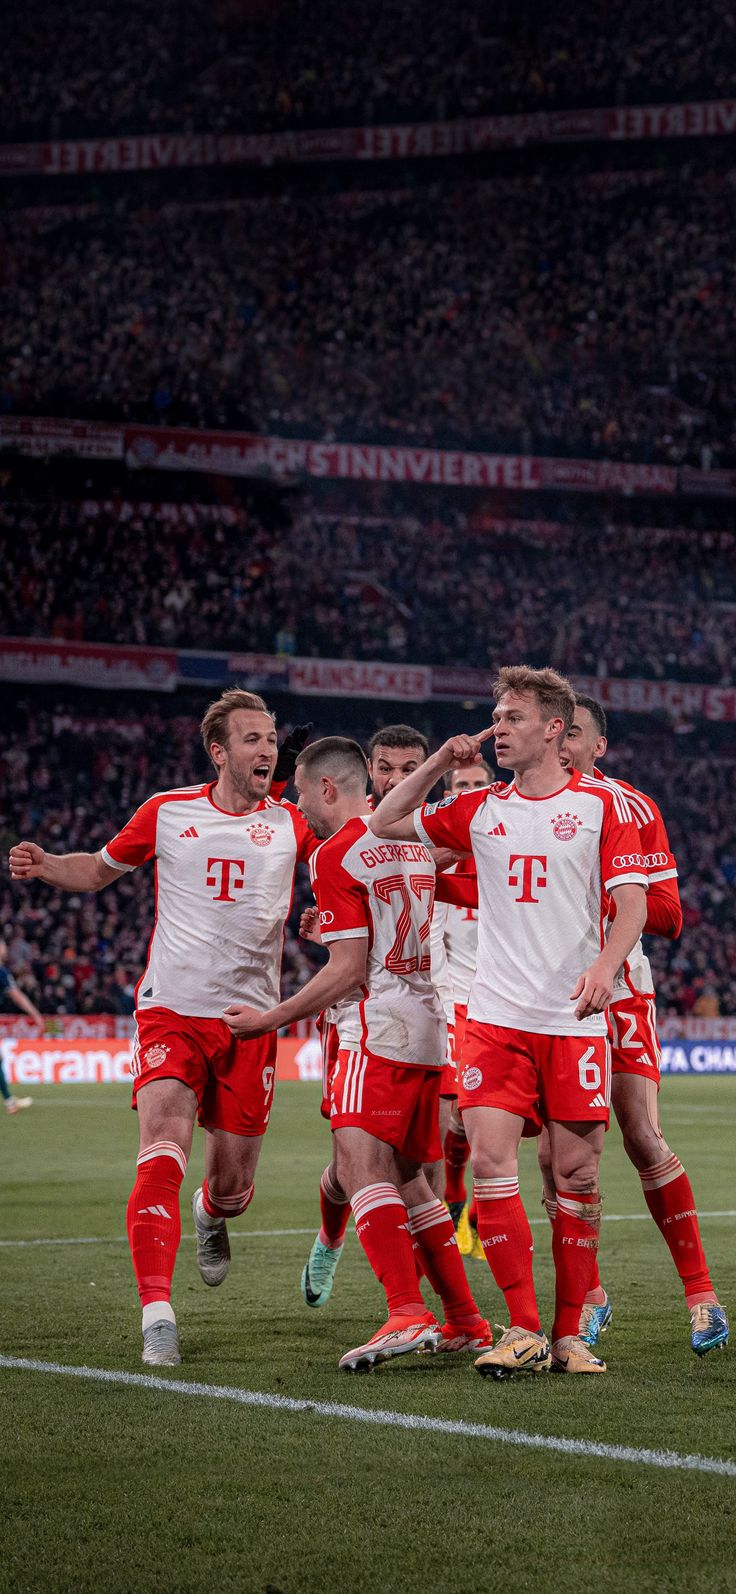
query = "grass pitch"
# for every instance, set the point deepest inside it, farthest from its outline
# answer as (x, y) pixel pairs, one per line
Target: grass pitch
(129, 1488)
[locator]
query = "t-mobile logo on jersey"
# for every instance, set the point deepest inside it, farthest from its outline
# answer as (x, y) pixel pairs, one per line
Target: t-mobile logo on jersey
(229, 870)
(532, 876)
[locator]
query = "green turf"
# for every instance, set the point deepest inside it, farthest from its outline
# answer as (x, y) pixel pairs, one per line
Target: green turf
(132, 1490)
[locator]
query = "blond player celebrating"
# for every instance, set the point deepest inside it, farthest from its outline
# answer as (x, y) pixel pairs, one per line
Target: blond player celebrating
(548, 848)
(225, 855)
(375, 906)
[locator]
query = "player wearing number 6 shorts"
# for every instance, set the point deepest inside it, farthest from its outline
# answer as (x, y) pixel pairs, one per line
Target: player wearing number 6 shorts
(225, 856)
(549, 849)
(375, 905)
(636, 1059)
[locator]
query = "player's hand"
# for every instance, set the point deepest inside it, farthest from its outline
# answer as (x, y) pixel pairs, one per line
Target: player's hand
(593, 992)
(26, 861)
(309, 926)
(289, 751)
(462, 751)
(246, 1023)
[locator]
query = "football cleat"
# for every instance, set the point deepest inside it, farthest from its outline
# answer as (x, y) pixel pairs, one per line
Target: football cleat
(468, 1238)
(708, 1327)
(594, 1321)
(519, 1350)
(399, 1335)
(161, 1345)
(456, 1337)
(213, 1246)
(456, 1209)
(318, 1273)
(572, 1355)
(14, 1104)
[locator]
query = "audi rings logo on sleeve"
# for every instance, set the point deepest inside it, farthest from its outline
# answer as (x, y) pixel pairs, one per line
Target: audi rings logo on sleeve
(472, 1078)
(656, 860)
(326, 918)
(629, 860)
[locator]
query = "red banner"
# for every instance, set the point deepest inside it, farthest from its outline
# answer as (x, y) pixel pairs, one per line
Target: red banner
(107, 1062)
(88, 664)
(358, 678)
(165, 151)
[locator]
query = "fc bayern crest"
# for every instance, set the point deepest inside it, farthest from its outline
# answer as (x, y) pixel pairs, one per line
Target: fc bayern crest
(565, 826)
(155, 1056)
(261, 835)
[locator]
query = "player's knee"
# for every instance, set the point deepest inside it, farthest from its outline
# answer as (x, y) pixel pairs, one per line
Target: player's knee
(643, 1145)
(578, 1173)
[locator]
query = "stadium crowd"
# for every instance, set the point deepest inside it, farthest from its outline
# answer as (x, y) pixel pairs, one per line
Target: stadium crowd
(266, 64)
(70, 777)
(662, 604)
(554, 314)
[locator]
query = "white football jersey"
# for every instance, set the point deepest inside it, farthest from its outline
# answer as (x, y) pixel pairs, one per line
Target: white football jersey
(383, 891)
(461, 940)
(223, 891)
(544, 867)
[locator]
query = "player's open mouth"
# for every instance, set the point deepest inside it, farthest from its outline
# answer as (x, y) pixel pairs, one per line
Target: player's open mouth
(263, 770)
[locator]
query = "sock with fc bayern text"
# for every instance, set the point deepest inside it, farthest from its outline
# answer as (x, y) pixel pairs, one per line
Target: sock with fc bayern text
(382, 1226)
(335, 1209)
(432, 1229)
(596, 1295)
(669, 1197)
(574, 1246)
(507, 1241)
(154, 1220)
(215, 1208)
(456, 1151)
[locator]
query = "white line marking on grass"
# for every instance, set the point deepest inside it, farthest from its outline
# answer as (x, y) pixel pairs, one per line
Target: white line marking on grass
(670, 1460)
(268, 1234)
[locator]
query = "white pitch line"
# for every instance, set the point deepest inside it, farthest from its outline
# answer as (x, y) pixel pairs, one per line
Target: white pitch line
(268, 1234)
(669, 1460)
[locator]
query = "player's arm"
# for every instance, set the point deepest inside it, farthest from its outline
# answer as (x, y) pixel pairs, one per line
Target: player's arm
(460, 890)
(664, 910)
(393, 816)
(344, 972)
(68, 871)
(24, 1002)
(594, 989)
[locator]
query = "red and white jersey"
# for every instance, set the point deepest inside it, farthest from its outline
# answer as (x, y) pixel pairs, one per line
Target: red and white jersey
(659, 859)
(223, 891)
(461, 940)
(383, 890)
(440, 967)
(544, 866)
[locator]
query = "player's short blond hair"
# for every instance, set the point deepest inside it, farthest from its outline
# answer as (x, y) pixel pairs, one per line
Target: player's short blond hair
(450, 773)
(552, 691)
(215, 725)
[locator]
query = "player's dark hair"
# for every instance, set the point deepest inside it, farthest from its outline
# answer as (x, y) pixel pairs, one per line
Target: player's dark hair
(215, 726)
(398, 736)
(553, 691)
(595, 710)
(337, 756)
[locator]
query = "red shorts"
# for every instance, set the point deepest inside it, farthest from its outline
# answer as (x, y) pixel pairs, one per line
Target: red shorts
(540, 1077)
(231, 1079)
(329, 1041)
(395, 1102)
(634, 1045)
(455, 1036)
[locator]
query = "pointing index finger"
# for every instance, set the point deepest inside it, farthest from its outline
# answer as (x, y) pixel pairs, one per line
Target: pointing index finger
(482, 736)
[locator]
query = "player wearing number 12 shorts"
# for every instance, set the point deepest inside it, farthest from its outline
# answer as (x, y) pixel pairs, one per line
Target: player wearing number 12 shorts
(225, 855)
(375, 905)
(549, 848)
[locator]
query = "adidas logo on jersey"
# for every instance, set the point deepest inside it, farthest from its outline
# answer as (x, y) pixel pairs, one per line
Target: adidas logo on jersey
(190, 832)
(598, 1101)
(498, 830)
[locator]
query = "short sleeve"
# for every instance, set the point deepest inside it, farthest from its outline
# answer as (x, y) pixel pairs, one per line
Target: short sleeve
(136, 842)
(341, 899)
(622, 859)
(447, 823)
(658, 855)
(306, 841)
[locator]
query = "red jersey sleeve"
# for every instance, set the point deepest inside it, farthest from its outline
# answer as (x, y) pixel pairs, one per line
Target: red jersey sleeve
(447, 823)
(136, 842)
(306, 841)
(664, 911)
(341, 899)
(461, 891)
(622, 859)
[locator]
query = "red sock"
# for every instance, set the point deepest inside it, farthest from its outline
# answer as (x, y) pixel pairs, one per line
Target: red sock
(457, 1152)
(506, 1238)
(432, 1228)
(669, 1197)
(154, 1220)
(574, 1244)
(596, 1294)
(381, 1224)
(335, 1209)
(225, 1206)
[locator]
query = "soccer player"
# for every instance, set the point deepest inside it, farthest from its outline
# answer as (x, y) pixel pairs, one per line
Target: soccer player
(636, 1059)
(375, 905)
(225, 856)
(548, 848)
(9, 987)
